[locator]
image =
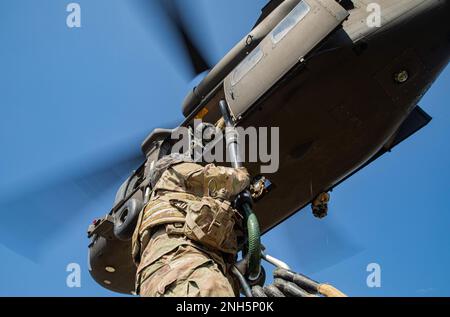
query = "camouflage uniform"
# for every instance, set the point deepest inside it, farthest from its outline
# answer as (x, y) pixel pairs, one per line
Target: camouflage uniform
(188, 231)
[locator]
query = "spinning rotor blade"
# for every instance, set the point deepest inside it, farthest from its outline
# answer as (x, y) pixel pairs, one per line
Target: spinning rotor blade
(172, 14)
(198, 61)
(39, 211)
(319, 244)
(310, 245)
(32, 217)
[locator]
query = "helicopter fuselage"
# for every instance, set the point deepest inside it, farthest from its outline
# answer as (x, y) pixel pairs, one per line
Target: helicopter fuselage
(340, 103)
(342, 91)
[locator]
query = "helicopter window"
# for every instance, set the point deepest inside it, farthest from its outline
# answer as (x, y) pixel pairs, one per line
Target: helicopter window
(247, 65)
(290, 21)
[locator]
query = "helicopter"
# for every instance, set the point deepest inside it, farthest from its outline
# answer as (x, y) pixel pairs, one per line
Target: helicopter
(342, 92)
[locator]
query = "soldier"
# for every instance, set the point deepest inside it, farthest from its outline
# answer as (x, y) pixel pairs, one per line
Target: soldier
(186, 236)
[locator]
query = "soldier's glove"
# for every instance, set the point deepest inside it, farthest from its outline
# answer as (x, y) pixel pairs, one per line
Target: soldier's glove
(290, 284)
(280, 288)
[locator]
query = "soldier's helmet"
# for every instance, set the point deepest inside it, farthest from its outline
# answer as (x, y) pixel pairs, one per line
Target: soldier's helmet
(165, 163)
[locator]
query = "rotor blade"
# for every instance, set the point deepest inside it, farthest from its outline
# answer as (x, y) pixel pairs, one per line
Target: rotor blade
(33, 216)
(314, 244)
(172, 13)
(197, 58)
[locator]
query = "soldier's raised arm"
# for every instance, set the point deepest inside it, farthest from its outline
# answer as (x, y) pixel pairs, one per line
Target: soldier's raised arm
(219, 181)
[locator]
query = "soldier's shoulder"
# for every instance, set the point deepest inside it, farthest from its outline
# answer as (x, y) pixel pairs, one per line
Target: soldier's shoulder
(187, 167)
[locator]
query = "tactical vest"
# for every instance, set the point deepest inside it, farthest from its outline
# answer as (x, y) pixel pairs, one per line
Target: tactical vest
(194, 197)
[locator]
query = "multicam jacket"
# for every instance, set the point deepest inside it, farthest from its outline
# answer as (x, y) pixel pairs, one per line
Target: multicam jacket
(195, 201)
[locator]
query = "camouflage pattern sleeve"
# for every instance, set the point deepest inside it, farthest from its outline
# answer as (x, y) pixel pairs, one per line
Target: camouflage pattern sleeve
(221, 182)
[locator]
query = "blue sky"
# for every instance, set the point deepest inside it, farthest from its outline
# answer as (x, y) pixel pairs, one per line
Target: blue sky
(72, 99)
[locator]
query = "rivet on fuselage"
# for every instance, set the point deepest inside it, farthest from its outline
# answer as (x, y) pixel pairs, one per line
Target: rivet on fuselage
(401, 77)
